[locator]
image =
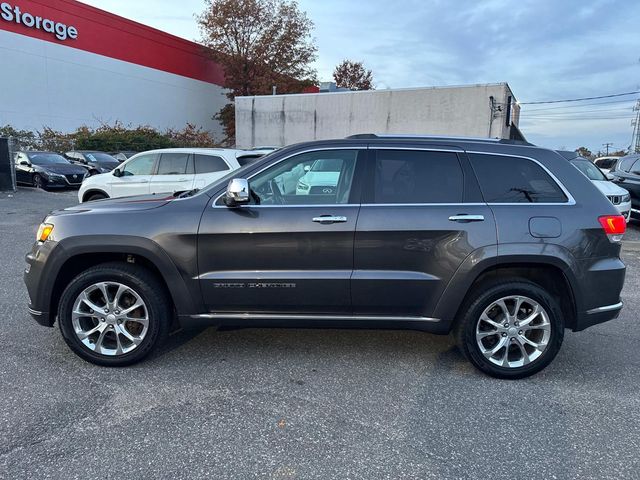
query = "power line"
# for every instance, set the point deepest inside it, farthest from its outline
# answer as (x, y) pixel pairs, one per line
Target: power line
(580, 99)
(579, 106)
(621, 110)
(556, 119)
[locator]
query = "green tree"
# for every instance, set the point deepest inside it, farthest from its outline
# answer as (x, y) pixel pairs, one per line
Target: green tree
(260, 44)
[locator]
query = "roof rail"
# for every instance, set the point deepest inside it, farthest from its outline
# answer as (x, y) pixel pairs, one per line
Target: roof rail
(371, 136)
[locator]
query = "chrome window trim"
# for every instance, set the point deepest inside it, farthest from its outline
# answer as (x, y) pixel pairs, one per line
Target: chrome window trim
(470, 204)
(570, 199)
(274, 316)
(280, 161)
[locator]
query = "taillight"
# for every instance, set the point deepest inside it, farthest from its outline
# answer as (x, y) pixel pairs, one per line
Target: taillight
(614, 226)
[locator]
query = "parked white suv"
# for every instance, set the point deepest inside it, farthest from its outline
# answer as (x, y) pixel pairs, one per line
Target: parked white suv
(320, 177)
(617, 195)
(160, 171)
(606, 164)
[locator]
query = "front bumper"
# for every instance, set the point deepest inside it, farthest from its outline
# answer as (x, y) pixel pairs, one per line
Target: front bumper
(625, 210)
(62, 182)
(37, 278)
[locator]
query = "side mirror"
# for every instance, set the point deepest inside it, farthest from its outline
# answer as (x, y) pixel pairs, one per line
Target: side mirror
(117, 172)
(307, 168)
(25, 163)
(237, 192)
(610, 176)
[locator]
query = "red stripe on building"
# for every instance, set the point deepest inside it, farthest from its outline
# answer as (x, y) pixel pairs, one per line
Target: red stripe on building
(104, 33)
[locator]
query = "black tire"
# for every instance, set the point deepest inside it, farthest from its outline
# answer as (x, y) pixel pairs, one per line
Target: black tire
(38, 181)
(483, 298)
(149, 288)
(96, 196)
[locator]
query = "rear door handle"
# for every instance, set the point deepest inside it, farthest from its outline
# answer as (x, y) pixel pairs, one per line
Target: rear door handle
(329, 219)
(466, 218)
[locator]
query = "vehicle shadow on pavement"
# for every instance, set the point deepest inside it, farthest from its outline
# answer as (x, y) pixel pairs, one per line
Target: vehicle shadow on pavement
(209, 345)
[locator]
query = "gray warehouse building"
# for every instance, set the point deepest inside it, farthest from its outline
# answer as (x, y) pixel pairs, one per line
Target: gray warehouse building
(487, 110)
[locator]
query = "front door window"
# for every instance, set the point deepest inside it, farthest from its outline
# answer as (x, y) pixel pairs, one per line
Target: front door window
(313, 178)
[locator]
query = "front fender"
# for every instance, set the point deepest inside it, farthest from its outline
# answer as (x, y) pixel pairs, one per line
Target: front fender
(48, 260)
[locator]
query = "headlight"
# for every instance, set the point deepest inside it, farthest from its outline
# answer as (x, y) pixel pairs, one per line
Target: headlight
(55, 175)
(44, 231)
(626, 198)
(303, 186)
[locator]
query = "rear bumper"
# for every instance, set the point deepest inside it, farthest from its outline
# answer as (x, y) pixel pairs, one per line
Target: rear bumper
(41, 317)
(600, 283)
(598, 315)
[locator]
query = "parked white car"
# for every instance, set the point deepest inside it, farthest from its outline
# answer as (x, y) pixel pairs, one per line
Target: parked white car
(159, 171)
(606, 164)
(616, 194)
(320, 178)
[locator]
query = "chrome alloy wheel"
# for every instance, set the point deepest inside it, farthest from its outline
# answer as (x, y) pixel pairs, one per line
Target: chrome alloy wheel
(110, 318)
(513, 331)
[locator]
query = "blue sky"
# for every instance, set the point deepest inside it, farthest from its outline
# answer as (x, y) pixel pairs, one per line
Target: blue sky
(544, 49)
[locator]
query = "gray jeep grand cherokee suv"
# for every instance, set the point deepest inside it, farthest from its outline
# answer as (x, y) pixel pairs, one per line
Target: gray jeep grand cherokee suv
(502, 243)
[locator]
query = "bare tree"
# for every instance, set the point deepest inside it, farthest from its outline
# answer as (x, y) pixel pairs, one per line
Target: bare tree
(353, 75)
(259, 43)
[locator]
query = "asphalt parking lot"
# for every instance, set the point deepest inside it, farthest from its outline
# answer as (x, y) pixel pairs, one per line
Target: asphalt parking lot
(307, 403)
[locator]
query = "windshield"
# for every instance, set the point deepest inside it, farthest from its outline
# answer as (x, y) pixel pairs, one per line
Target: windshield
(589, 169)
(100, 157)
(46, 158)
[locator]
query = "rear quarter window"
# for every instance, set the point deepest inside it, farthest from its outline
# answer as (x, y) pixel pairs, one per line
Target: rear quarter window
(515, 180)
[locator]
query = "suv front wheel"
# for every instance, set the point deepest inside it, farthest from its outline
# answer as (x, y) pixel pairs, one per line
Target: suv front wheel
(511, 330)
(114, 314)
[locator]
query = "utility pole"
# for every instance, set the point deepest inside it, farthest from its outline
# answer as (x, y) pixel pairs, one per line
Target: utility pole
(607, 145)
(635, 139)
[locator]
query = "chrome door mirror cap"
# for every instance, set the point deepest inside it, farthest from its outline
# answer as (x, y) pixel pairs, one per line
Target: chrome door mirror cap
(237, 192)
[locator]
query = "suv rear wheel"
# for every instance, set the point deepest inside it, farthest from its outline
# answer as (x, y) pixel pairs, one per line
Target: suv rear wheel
(114, 314)
(511, 330)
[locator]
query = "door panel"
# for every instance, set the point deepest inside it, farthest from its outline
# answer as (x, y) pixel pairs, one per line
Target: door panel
(285, 252)
(136, 175)
(405, 255)
(276, 259)
(421, 217)
(174, 173)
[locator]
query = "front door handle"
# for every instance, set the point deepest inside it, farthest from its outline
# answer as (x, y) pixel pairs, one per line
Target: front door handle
(329, 219)
(466, 218)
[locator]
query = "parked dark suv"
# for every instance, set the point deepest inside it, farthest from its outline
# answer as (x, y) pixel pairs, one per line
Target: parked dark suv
(627, 174)
(504, 244)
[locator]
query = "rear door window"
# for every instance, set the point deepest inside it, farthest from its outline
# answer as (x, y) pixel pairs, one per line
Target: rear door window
(416, 176)
(515, 180)
(173, 164)
(210, 163)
